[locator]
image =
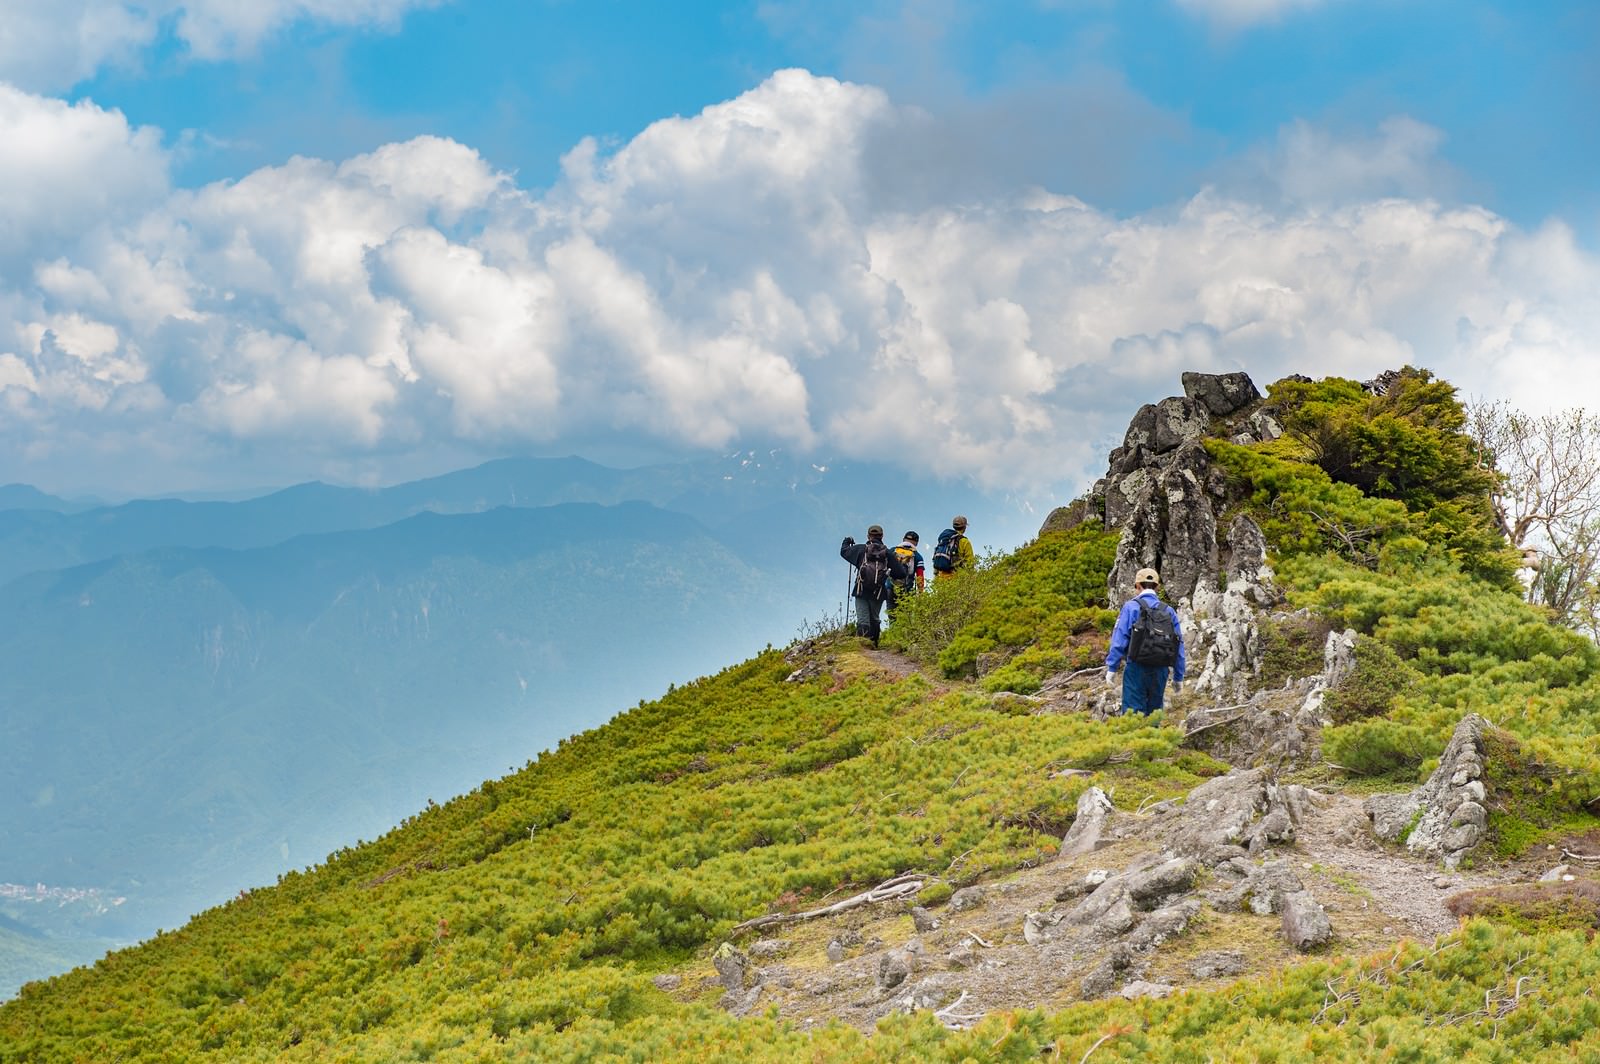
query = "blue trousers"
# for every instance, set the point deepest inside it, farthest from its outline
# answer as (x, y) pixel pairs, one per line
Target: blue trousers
(1144, 687)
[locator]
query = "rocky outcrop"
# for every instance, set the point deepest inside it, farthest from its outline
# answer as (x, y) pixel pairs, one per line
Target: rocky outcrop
(1223, 626)
(1448, 815)
(1162, 491)
(1276, 727)
(1066, 518)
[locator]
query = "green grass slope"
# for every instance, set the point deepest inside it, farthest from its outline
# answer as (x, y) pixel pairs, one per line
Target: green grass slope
(523, 921)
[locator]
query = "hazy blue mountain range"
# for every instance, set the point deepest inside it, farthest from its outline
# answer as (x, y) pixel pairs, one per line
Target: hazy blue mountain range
(736, 497)
(28, 497)
(201, 719)
(195, 697)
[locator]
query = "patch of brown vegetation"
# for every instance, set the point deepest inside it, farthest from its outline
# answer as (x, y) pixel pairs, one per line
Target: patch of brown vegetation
(1534, 907)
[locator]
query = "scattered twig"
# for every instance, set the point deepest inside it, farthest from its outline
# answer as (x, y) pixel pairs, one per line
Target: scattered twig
(1108, 1036)
(1214, 724)
(957, 781)
(975, 937)
(957, 1020)
(1581, 856)
(888, 890)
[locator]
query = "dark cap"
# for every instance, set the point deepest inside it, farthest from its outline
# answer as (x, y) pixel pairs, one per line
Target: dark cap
(875, 530)
(911, 537)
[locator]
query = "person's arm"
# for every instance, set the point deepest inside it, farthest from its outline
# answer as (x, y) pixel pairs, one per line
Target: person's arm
(1182, 668)
(1119, 636)
(851, 551)
(966, 553)
(922, 573)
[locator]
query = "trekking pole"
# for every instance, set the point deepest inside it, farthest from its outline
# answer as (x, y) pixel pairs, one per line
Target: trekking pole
(849, 586)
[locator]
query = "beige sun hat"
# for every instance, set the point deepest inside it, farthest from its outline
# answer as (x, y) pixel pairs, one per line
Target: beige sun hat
(1146, 576)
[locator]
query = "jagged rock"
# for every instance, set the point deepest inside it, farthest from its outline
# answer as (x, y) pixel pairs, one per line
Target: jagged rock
(966, 898)
(1223, 627)
(668, 981)
(1066, 518)
(1555, 874)
(810, 670)
(742, 1002)
(1147, 888)
(1381, 384)
(1216, 964)
(988, 661)
(1105, 975)
(1117, 918)
(836, 951)
(1261, 891)
(923, 920)
(894, 968)
(1161, 491)
(1036, 927)
(1221, 393)
(1305, 925)
(963, 956)
(929, 993)
(1163, 924)
(1220, 810)
(768, 948)
(1445, 816)
(1089, 825)
(800, 651)
(1141, 989)
(1075, 890)
(731, 965)
(1280, 728)
(1392, 814)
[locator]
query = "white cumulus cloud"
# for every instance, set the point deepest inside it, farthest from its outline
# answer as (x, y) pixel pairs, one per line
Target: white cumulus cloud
(736, 278)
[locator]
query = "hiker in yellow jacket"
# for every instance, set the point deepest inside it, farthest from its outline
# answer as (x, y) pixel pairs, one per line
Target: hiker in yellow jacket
(954, 551)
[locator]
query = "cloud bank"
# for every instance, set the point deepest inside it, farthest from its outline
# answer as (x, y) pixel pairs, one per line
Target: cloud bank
(736, 277)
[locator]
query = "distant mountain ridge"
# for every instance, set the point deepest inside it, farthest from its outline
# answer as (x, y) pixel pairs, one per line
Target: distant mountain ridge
(735, 497)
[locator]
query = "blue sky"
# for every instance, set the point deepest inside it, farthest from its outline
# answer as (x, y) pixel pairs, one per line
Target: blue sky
(1512, 86)
(248, 243)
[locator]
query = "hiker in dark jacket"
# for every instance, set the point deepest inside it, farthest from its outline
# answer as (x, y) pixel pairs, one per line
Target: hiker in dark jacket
(877, 568)
(1144, 677)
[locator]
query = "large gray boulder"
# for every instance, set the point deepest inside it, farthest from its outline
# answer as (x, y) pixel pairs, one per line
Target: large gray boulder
(1305, 925)
(1220, 393)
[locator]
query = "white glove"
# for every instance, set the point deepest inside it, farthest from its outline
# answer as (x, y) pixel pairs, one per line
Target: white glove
(1111, 677)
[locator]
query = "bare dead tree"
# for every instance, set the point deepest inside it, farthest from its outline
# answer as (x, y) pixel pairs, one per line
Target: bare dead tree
(1547, 501)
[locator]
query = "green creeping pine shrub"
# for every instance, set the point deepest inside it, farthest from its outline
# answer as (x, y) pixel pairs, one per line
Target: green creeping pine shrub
(1033, 601)
(1463, 647)
(1379, 677)
(1291, 648)
(1407, 445)
(523, 920)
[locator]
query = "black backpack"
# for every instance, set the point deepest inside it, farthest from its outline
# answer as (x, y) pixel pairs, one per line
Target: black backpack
(873, 572)
(947, 552)
(1154, 639)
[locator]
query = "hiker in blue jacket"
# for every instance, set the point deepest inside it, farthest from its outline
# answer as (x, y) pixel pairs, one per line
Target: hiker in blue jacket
(1149, 639)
